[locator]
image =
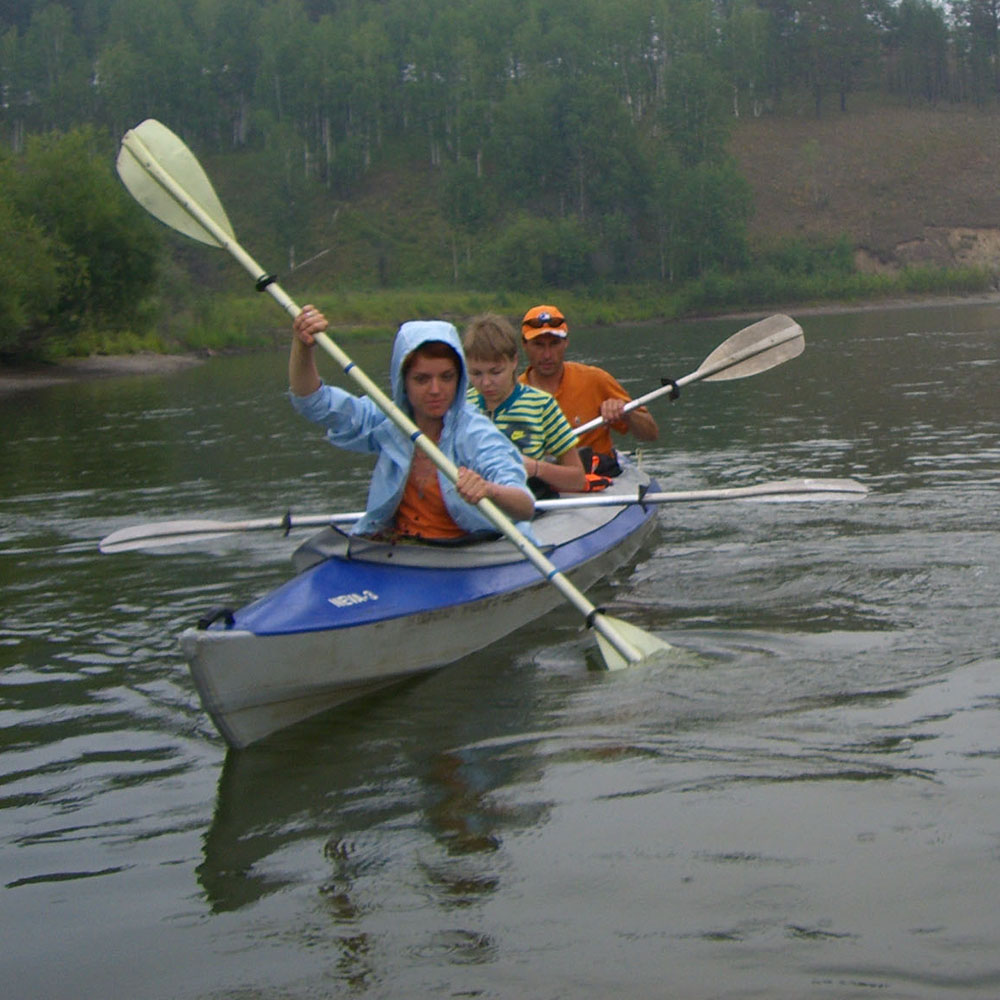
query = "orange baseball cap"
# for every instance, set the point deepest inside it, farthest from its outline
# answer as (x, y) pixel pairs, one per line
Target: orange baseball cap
(543, 319)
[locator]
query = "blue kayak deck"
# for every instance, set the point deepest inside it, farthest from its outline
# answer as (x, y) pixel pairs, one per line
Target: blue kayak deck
(369, 582)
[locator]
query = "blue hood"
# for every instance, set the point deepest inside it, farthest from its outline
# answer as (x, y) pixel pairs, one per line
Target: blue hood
(408, 338)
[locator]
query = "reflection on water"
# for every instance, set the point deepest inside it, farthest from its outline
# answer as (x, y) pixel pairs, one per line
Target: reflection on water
(351, 778)
(800, 802)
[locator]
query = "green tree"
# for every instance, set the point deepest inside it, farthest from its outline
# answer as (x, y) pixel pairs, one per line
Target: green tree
(667, 210)
(283, 28)
(917, 51)
(18, 12)
(468, 203)
(839, 42)
(122, 73)
(694, 118)
(535, 253)
(716, 231)
(375, 76)
(699, 214)
(977, 32)
(745, 49)
(12, 87)
(31, 280)
(153, 56)
(56, 70)
(106, 246)
(228, 35)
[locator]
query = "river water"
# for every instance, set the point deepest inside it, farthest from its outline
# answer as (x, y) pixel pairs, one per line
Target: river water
(802, 801)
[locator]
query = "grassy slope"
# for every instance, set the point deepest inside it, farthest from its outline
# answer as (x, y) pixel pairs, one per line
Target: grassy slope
(880, 175)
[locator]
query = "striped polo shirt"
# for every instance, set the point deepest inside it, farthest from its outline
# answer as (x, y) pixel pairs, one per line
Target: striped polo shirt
(531, 418)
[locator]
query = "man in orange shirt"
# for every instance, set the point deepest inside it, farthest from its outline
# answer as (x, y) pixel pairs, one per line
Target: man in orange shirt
(582, 391)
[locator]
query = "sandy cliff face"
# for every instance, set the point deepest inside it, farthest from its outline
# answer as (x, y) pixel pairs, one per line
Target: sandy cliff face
(938, 246)
(961, 245)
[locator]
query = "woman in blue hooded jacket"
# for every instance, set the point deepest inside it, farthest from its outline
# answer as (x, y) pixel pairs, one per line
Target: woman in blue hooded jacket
(409, 496)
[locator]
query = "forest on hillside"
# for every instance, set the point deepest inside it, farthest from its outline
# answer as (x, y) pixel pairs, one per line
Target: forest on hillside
(559, 141)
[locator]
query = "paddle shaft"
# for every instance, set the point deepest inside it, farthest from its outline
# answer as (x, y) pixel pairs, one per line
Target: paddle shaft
(710, 367)
(174, 532)
(400, 419)
(785, 487)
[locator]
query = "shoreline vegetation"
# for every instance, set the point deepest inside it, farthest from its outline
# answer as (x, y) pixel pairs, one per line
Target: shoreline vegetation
(38, 375)
(814, 277)
(184, 319)
(662, 167)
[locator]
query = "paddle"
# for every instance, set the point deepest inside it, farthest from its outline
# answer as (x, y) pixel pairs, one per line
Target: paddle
(756, 348)
(163, 533)
(167, 180)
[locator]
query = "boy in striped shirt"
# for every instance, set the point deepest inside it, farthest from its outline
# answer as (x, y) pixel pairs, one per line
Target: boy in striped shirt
(530, 417)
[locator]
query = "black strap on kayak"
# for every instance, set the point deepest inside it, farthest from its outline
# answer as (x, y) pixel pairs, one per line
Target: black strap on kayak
(211, 616)
(460, 541)
(469, 538)
(643, 490)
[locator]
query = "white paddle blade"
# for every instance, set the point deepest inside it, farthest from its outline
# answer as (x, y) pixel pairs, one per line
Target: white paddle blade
(811, 490)
(645, 643)
(173, 157)
(147, 544)
(769, 343)
(159, 535)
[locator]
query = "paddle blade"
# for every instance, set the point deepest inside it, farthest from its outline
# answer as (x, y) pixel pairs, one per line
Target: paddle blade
(754, 349)
(798, 490)
(159, 535)
(152, 144)
(644, 643)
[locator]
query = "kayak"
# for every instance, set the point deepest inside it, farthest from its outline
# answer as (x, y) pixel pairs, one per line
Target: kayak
(331, 633)
(360, 615)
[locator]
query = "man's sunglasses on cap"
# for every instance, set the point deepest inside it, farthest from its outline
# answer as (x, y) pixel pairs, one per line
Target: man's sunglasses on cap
(544, 319)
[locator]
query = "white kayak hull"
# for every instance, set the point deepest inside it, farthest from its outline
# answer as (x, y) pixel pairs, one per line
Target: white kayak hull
(276, 664)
